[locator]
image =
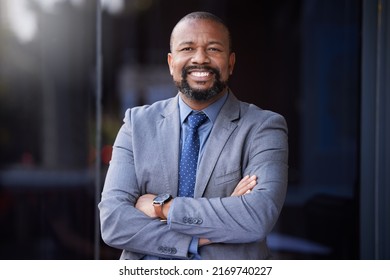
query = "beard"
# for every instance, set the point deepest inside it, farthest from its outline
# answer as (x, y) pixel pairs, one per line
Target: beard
(197, 94)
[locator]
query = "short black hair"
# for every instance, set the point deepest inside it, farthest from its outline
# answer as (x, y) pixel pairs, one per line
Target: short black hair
(205, 16)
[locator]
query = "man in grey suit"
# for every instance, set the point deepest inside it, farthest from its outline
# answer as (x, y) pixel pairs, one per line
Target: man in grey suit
(241, 166)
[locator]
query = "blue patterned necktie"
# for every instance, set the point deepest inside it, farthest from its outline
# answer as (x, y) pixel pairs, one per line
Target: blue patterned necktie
(189, 156)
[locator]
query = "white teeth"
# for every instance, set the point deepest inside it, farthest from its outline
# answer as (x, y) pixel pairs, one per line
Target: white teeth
(201, 74)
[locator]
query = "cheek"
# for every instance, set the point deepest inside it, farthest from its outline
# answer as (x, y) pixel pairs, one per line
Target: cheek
(225, 69)
(174, 69)
(225, 73)
(176, 72)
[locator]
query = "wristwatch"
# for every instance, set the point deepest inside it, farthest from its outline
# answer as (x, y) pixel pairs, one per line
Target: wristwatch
(158, 203)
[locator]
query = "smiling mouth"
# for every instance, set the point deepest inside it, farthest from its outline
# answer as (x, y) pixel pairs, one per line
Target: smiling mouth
(200, 74)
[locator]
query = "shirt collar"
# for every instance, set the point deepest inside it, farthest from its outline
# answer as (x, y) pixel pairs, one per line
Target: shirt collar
(211, 111)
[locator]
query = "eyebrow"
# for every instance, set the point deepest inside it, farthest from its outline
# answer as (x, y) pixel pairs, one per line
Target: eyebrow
(185, 43)
(192, 42)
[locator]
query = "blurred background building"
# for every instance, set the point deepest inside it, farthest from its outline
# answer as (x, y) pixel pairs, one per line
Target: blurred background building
(69, 69)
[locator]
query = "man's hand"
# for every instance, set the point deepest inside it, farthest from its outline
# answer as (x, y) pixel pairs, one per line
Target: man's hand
(245, 185)
(145, 204)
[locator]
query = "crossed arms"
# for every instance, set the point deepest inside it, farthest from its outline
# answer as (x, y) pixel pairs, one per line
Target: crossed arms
(145, 202)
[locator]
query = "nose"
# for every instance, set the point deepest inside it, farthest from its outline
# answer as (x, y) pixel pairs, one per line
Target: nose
(200, 57)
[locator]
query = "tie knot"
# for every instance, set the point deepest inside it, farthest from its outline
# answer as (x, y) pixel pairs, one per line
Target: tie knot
(195, 120)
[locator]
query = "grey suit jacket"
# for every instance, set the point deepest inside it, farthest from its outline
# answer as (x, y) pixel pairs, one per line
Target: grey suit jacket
(244, 140)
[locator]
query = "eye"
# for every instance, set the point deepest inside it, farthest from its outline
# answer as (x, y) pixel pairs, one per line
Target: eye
(215, 49)
(186, 49)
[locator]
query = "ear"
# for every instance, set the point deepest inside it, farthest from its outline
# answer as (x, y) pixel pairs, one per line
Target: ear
(170, 61)
(232, 61)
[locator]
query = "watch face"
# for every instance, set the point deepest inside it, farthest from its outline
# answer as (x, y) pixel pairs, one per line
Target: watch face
(161, 198)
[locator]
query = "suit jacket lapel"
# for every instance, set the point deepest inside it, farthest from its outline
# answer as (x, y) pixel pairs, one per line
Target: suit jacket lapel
(222, 129)
(169, 127)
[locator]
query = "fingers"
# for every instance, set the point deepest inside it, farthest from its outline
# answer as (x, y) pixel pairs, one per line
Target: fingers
(245, 185)
(250, 184)
(203, 241)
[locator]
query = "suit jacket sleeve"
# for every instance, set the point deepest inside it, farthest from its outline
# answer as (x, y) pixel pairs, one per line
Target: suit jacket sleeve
(261, 148)
(122, 225)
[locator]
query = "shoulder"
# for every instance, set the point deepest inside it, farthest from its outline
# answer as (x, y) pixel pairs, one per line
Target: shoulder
(250, 115)
(152, 112)
(256, 111)
(254, 114)
(258, 120)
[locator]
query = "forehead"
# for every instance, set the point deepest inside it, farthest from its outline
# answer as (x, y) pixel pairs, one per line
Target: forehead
(200, 31)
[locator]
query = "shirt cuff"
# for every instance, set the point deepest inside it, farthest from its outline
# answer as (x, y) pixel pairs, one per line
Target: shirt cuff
(169, 212)
(193, 248)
